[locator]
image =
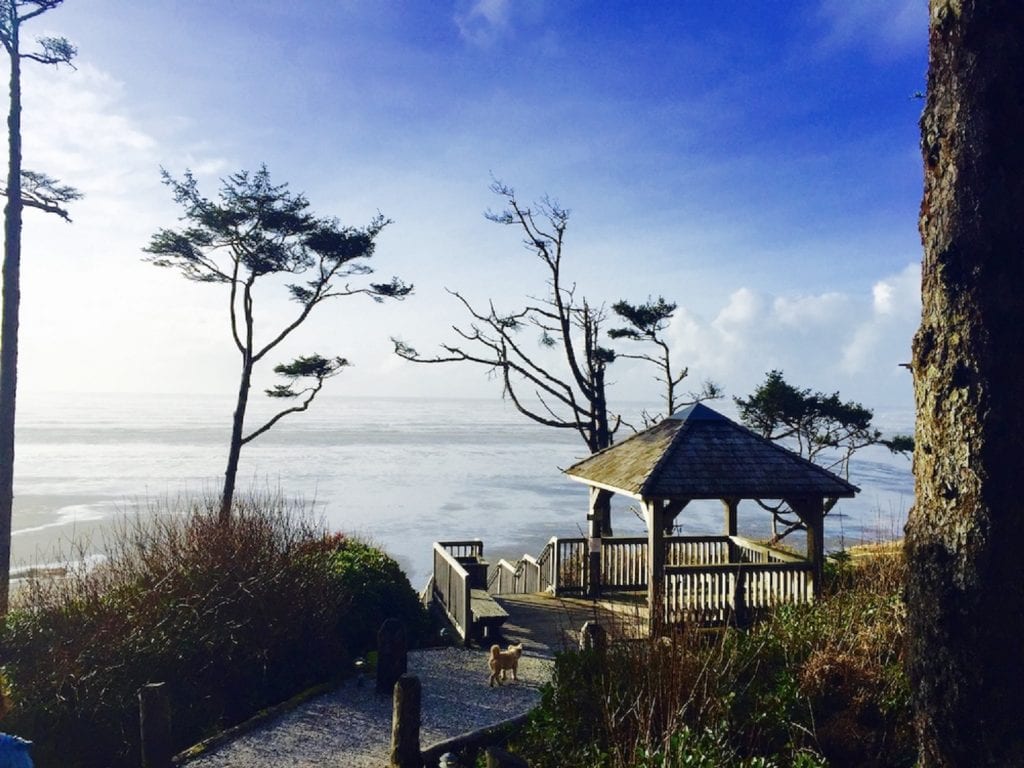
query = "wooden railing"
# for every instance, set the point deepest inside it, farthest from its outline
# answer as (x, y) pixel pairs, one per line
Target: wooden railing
(767, 586)
(562, 565)
(696, 550)
(624, 563)
(465, 548)
(752, 552)
(548, 566)
(699, 593)
(451, 582)
(712, 594)
(529, 574)
(571, 566)
(504, 578)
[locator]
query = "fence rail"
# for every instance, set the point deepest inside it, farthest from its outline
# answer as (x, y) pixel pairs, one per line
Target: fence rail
(503, 578)
(547, 566)
(464, 548)
(711, 594)
(451, 584)
(707, 578)
(752, 552)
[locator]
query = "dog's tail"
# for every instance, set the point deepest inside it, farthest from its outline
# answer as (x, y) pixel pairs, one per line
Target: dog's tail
(495, 650)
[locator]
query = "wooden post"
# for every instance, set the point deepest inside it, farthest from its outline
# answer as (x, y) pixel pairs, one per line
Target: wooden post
(405, 724)
(653, 511)
(392, 654)
(731, 527)
(731, 506)
(816, 543)
(594, 530)
(593, 637)
(812, 513)
(739, 598)
(155, 726)
(556, 567)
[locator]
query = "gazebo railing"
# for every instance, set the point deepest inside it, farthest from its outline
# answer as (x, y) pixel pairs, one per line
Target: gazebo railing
(752, 552)
(695, 550)
(711, 594)
(562, 566)
(624, 563)
(569, 566)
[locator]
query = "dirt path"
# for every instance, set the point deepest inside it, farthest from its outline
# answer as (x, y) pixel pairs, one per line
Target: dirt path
(350, 727)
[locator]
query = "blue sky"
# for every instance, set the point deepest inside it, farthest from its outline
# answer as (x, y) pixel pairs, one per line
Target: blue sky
(755, 162)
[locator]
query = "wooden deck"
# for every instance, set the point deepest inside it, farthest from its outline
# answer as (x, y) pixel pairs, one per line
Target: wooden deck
(707, 581)
(546, 624)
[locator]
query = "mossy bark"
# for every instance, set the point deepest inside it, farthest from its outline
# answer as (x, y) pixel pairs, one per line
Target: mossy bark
(965, 591)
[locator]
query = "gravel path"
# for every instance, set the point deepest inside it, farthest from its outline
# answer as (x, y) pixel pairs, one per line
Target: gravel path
(350, 727)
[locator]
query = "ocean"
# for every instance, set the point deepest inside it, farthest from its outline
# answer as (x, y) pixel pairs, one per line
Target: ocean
(401, 473)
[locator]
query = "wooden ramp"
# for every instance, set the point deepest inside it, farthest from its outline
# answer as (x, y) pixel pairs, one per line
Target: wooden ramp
(546, 624)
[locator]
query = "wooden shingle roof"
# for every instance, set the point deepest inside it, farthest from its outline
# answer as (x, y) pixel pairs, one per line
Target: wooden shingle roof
(698, 453)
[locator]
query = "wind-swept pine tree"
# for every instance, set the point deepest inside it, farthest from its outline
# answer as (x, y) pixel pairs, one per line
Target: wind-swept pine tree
(258, 230)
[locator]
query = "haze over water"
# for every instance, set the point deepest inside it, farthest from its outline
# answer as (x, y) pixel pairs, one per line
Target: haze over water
(400, 472)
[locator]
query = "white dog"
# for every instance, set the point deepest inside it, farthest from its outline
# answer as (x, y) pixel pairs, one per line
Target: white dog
(501, 661)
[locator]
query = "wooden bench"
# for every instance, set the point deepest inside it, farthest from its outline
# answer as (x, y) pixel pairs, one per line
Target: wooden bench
(487, 615)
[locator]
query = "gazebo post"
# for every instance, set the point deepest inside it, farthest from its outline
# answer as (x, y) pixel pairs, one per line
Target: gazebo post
(812, 512)
(595, 525)
(731, 505)
(654, 512)
(730, 515)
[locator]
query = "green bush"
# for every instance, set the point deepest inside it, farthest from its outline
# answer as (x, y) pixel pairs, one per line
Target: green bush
(233, 618)
(383, 589)
(808, 687)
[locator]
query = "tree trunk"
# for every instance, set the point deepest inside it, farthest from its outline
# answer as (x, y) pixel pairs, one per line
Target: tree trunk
(601, 505)
(9, 329)
(965, 590)
(235, 447)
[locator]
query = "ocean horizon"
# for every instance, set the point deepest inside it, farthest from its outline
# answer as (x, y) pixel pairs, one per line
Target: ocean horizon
(399, 472)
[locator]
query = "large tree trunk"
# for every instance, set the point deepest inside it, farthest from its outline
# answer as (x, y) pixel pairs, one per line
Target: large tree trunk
(965, 592)
(9, 329)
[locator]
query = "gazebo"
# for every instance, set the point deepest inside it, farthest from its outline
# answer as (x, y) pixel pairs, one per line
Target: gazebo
(698, 453)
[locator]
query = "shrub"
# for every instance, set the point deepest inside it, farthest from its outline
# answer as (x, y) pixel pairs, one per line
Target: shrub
(383, 589)
(233, 618)
(810, 686)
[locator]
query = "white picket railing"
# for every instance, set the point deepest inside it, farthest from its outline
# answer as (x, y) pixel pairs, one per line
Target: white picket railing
(707, 578)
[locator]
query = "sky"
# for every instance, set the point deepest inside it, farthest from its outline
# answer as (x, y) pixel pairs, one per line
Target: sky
(755, 162)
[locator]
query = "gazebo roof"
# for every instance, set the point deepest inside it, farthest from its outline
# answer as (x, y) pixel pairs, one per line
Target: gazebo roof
(698, 453)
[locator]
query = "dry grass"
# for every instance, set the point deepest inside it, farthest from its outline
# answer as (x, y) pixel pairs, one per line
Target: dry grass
(232, 617)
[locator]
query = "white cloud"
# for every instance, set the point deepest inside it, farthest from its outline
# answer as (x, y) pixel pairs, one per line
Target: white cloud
(882, 336)
(887, 27)
(484, 21)
(806, 311)
(829, 341)
(743, 308)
